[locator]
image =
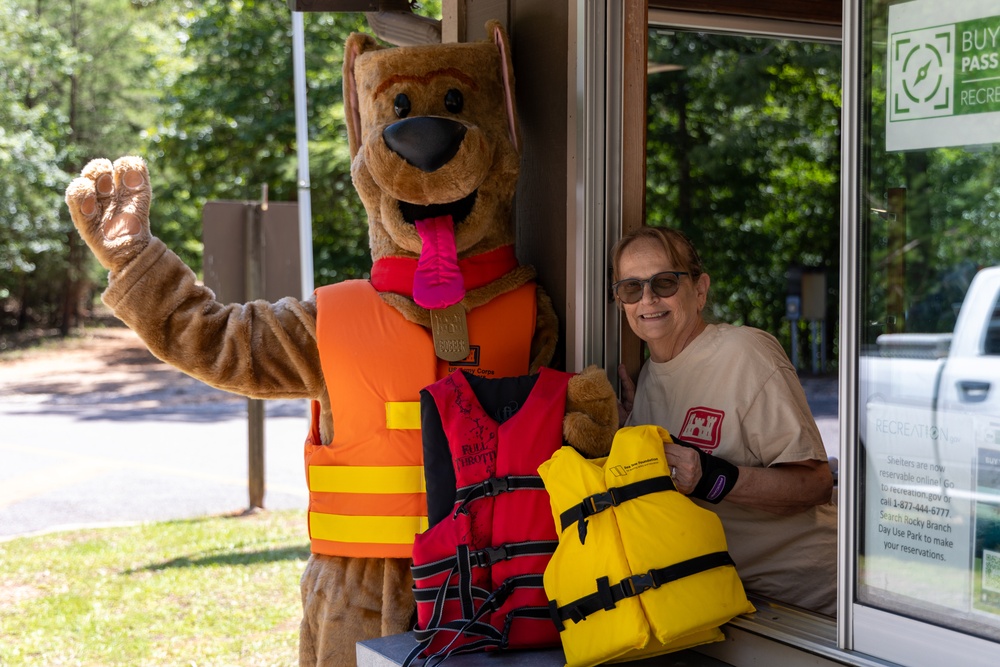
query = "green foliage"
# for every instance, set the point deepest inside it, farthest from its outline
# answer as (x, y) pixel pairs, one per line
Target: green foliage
(31, 134)
(203, 90)
(743, 156)
(75, 82)
(228, 127)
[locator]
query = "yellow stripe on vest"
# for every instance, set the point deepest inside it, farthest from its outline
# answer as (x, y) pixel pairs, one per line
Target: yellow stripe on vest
(402, 415)
(366, 529)
(367, 479)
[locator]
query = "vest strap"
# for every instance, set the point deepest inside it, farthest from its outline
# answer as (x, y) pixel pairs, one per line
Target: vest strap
(484, 557)
(471, 625)
(607, 597)
(613, 497)
(495, 486)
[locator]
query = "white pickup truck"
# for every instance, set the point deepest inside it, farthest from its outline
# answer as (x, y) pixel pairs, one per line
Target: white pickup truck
(941, 373)
(929, 422)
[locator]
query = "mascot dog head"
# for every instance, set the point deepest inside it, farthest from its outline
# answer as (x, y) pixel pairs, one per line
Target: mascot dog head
(434, 146)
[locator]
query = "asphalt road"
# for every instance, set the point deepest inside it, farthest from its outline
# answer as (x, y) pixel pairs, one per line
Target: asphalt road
(129, 439)
(113, 436)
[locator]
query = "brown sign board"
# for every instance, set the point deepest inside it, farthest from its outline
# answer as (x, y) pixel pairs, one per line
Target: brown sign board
(224, 233)
(814, 295)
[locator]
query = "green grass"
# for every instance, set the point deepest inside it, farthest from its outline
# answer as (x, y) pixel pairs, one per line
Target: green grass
(213, 591)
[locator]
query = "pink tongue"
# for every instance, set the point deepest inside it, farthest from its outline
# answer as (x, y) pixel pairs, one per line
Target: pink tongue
(437, 282)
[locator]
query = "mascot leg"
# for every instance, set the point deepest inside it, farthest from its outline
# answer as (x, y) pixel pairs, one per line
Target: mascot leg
(347, 600)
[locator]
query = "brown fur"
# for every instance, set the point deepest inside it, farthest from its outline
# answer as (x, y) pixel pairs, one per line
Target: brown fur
(266, 350)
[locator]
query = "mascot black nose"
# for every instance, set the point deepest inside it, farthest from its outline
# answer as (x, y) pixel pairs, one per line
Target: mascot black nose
(426, 142)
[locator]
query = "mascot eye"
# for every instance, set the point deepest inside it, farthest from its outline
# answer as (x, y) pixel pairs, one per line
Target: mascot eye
(453, 101)
(401, 105)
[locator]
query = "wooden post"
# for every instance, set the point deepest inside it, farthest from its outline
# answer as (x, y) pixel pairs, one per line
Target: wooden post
(895, 320)
(255, 407)
(636, 44)
(453, 21)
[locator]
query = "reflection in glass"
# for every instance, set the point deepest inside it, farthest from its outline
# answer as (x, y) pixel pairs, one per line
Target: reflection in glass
(929, 374)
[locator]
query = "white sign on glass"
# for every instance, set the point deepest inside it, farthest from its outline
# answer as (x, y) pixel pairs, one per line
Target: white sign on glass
(942, 74)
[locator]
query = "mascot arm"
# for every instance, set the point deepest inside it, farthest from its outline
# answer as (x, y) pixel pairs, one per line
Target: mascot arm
(543, 342)
(256, 349)
(591, 419)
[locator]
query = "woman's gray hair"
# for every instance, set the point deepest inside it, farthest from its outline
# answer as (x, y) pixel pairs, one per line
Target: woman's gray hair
(678, 247)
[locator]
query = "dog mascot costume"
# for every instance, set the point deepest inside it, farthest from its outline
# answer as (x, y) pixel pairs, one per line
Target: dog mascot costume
(434, 142)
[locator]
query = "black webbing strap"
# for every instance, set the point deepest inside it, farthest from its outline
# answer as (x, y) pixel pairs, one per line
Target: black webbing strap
(494, 486)
(486, 557)
(460, 566)
(471, 625)
(607, 596)
(611, 498)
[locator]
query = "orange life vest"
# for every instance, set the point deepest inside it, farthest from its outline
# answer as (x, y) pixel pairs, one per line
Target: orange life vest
(366, 488)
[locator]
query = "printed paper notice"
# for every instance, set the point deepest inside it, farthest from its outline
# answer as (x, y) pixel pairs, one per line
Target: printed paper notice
(918, 510)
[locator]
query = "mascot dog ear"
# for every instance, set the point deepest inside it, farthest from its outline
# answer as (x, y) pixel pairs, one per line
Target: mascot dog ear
(499, 36)
(359, 43)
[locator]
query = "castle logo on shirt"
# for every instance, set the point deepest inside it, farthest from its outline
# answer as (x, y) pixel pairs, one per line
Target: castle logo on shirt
(702, 427)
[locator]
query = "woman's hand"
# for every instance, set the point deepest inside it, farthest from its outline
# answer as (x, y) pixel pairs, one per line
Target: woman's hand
(685, 467)
(627, 395)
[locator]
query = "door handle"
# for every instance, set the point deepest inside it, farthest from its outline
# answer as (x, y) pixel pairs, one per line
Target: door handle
(973, 391)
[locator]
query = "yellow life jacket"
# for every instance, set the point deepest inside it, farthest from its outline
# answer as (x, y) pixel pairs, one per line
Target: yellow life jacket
(640, 569)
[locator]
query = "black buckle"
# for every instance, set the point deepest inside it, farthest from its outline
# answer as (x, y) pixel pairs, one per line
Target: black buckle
(639, 583)
(489, 555)
(495, 485)
(599, 502)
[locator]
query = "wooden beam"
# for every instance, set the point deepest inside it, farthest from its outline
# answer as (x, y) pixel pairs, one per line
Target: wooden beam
(828, 12)
(636, 45)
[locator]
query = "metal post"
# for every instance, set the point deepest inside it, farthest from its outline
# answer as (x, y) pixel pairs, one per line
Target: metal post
(302, 148)
(795, 344)
(255, 407)
(814, 334)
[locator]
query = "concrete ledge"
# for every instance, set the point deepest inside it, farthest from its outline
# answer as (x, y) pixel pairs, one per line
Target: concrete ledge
(391, 651)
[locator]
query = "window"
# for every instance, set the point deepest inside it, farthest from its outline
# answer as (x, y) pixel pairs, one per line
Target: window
(743, 156)
(928, 531)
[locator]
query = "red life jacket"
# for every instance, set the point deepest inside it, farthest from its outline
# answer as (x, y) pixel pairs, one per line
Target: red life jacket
(477, 569)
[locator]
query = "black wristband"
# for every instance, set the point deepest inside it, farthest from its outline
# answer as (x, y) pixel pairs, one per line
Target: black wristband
(718, 476)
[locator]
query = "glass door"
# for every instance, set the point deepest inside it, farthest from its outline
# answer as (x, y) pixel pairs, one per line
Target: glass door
(928, 332)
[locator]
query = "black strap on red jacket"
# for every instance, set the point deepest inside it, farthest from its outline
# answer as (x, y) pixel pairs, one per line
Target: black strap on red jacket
(494, 486)
(475, 601)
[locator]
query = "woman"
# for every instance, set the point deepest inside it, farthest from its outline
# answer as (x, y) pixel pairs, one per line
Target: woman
(758, 459)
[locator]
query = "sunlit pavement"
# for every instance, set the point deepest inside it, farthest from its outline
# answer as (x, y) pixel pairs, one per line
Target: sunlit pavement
(64, 466)
(72, 463)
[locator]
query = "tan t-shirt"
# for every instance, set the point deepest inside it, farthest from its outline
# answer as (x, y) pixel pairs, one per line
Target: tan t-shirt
(733, 393)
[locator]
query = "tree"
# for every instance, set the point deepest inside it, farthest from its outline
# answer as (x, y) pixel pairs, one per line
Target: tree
(229, 127)
(743, 156)
(32, 134)
(76, 78)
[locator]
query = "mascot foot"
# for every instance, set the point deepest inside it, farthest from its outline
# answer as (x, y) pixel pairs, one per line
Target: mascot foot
(109, 204)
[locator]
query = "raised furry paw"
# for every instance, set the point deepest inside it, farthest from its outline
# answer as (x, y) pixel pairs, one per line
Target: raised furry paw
(109, 204)
(591, 419)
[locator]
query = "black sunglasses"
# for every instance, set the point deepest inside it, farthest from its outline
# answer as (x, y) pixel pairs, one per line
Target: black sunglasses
(663, 285)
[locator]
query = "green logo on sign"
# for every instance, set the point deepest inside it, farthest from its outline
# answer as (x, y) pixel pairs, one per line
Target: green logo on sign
(921, 74)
